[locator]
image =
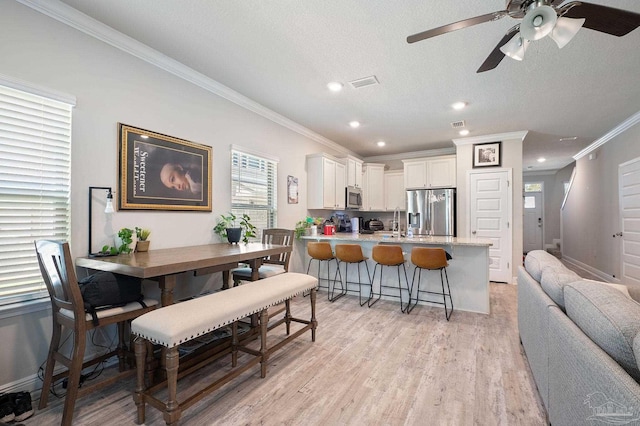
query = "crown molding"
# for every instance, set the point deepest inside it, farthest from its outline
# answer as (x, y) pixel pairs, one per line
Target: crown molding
(409, 155)
(498, 137)
(81, 22)
(619, 129)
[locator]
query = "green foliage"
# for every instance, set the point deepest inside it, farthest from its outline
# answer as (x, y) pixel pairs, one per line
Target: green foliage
(126, 235)
(232, 221)
(306, 223)
(142, 233)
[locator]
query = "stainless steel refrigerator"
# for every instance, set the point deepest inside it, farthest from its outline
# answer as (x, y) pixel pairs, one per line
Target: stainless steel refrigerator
(432, 211)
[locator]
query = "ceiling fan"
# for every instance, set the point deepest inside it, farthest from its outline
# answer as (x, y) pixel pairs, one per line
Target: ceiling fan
(541, 18)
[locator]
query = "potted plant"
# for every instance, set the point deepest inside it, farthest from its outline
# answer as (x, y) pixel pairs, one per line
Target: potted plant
(124, 240)
(226, 228)
(306, 226)
(143, 242)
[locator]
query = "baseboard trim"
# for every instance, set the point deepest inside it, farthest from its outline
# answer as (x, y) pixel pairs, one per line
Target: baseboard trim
(593, 271)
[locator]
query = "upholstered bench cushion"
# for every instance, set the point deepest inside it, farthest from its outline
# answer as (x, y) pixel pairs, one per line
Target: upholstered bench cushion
(553, 281)
(171, 325)
(537, 260)
(608, 317)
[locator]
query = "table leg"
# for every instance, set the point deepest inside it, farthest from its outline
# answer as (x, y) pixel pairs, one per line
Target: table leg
(167, 283)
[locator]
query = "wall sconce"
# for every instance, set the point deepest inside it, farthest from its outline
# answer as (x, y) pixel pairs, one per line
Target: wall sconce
(108, 210)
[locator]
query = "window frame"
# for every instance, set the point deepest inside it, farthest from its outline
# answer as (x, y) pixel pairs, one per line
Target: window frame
(31, 94)
(271, 205)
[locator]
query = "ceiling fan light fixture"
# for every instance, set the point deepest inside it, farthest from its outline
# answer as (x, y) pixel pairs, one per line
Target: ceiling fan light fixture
(565, 30)
(516, 47)
(538, 23)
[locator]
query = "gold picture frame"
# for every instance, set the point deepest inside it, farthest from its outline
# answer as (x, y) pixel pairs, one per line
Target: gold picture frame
(160, 172)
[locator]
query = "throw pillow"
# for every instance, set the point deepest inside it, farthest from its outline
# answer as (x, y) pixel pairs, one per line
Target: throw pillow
(609, 318)
(553, 281)
(537, 260)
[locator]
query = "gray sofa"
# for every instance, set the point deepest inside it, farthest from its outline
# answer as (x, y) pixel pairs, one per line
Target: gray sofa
(582, 341)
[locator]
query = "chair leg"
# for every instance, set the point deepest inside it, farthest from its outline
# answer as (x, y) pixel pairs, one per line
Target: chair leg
(370, 282)
(447, 314)
(409, 290)
(121, 346)
(75, 370)
(343, 287)
(287, 315)
(369, 303)
(413, 285)
(48, 371)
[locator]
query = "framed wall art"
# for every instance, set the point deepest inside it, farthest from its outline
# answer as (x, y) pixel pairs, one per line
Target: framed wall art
(292, 190)
(487, 154)
(160, 172)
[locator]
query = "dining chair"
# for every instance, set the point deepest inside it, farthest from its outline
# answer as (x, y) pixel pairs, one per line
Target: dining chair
(271, 265)
(68, 312)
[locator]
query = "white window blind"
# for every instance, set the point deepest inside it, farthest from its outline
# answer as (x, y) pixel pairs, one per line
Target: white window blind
(253, 188)
(35, 166)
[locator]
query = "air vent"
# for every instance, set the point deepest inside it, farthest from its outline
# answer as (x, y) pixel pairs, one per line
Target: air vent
(363, 82)
(457, 124)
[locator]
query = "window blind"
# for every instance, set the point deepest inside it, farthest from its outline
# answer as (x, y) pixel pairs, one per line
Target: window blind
(35, 166)
(254, 188)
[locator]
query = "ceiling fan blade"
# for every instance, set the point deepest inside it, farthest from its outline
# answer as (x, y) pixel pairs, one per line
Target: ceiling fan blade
(605, 19)
(496, 55)
(456, 26)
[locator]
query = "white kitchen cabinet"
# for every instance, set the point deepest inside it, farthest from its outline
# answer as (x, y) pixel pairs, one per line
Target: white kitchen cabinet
(326, 182)
(394, 192)
(354, 172)
(373, 187)
(431, 172)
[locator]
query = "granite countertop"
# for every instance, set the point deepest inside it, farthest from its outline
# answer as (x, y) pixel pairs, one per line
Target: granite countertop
(387, 237)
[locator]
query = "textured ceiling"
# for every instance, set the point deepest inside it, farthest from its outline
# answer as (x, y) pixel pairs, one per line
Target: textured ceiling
(282, 54)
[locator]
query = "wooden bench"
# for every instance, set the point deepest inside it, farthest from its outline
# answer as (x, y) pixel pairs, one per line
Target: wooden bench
(176, 324)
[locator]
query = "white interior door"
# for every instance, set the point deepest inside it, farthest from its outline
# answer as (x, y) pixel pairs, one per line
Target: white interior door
(532, 222)
(629, 194)
(490, 218)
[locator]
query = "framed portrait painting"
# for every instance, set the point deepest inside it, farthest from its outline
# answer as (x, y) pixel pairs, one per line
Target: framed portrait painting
(487, 154)
(160, 172)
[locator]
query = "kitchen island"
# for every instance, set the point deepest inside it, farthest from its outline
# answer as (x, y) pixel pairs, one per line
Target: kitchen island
(468, 269)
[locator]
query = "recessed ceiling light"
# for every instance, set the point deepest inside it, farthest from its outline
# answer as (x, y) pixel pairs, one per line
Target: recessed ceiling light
(381, 143)
(335, 86)
(459, 105)
(354, 124)
(541, 160)
(572, 138)
(464, 132)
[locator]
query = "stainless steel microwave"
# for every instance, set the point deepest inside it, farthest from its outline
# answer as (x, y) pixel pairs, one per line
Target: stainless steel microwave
(353, 197)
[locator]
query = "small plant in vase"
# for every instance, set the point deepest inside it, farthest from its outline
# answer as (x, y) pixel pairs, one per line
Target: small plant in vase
(124, 240)
(143, 242)
(303, 227)
(232, 229)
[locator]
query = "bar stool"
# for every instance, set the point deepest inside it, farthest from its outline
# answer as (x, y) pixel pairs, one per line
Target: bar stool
(321, 251)
(389, 255)
(349, 254)
(432, 259)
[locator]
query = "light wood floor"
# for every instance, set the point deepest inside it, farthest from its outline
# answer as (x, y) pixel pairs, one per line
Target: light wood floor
(372, 366)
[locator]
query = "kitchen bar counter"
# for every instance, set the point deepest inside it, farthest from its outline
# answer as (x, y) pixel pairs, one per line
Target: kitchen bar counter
(387, 237)
(468, 269)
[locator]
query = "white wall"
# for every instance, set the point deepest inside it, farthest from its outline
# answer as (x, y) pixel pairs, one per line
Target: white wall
(112, 86)
(591, 215)
(511, 159)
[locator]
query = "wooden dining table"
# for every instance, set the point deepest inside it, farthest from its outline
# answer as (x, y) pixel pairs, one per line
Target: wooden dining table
(164, 265)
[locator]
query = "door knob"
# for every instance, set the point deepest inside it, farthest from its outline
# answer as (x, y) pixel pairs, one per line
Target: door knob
(473, 232)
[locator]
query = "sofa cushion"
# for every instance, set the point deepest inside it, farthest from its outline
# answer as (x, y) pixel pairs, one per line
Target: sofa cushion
(537, 260)
(620, 287)
(609, 318)
(553, 281)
